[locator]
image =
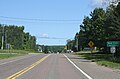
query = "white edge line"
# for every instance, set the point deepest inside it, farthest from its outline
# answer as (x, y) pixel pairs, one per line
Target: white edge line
(78, 68)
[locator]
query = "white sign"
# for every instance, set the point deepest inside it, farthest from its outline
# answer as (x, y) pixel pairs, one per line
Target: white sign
(112, 49)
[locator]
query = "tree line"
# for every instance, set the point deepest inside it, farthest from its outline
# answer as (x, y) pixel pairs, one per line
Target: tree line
(14, 37)
(52, 48)
(100, 26)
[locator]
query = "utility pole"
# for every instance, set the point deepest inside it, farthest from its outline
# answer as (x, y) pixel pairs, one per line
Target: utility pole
(77, 42)
(2, 38)
(6, 44)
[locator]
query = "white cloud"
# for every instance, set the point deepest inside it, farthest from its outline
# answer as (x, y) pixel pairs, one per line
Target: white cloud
(99, 3)
(44, 35)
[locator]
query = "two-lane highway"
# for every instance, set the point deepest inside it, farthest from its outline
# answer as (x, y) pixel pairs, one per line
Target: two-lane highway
(13, 65)
(54, 66)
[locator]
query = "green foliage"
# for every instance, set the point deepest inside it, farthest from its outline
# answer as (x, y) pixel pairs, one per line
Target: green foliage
(16, 38)
(109, 64)
(103, 59)
(29, 42)
(45, 49)
(3, 56)
(93, 28)
(71, 45)
(53, 49)
(16, 51)
(101, 26)
(113, 22)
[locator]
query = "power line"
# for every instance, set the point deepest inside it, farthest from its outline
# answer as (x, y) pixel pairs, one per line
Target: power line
(51, 38)
(42, 20)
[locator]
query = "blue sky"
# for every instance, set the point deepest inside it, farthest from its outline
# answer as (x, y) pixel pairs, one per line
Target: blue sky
(54, 12)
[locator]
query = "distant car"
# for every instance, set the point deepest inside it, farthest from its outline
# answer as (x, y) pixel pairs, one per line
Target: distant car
(86, 48)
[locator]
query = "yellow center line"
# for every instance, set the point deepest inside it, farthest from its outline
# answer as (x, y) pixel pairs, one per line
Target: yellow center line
(14, 76)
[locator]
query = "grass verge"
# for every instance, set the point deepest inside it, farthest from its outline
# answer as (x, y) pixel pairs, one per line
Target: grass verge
(18, 51)
(13, 53)
(3, 56)
(102, 59)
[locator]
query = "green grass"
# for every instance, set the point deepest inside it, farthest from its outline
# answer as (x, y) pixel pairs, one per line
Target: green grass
(13, 53)
(3, 56)
(17, 51)
(109, 64)
(102, 59)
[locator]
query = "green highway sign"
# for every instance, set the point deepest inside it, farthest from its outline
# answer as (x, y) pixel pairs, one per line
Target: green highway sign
(113, 43)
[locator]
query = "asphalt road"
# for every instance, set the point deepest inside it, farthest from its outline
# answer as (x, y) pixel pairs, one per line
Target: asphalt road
(54, 66)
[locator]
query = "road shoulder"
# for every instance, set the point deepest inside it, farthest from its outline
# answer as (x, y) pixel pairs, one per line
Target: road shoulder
(93, 69)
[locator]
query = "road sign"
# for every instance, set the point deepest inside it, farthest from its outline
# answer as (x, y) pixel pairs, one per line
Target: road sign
(113, 43)
(91, 44)
(112, 49)
(65, 47)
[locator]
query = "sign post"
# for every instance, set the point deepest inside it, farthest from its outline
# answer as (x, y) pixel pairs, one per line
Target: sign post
(113, 45)
(91, 44)
(113, 50)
